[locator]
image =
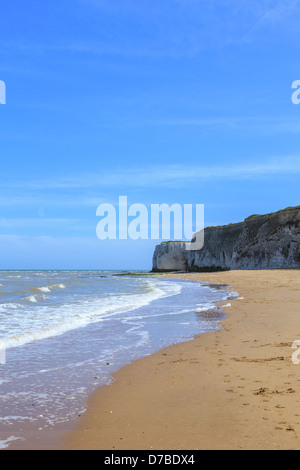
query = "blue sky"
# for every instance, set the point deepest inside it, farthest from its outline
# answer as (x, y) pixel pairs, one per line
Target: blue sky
(174, 101)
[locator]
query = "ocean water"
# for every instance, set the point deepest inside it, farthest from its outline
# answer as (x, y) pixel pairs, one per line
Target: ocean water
(62, 335)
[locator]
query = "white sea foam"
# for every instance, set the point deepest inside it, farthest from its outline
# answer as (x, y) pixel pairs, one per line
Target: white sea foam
(4, 444)
(154, 315)
(59, 319)
(11, 419)
(48, 289)
(31, 298)
(231, 296)
(37, 317)
(205, 307)
(65, 369)
(8, 306)
(44, 289)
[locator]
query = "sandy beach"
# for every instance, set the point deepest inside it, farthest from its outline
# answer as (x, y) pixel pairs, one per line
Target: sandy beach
(232, 389)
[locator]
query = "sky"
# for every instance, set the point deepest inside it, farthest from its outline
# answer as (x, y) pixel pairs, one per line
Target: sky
(173, 101)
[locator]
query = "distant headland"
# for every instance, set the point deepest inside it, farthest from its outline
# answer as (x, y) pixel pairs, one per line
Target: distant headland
(270, 241)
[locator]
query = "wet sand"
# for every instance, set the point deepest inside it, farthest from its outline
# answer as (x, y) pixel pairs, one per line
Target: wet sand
(232, 389)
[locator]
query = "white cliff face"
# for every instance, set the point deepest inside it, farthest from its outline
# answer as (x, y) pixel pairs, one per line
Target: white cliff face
(171, 256)
(263, 242)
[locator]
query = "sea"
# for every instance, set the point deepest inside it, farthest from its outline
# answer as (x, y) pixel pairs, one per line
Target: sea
(64, 333)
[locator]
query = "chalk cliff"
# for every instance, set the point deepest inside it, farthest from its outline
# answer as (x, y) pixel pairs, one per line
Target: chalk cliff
(170, 256)
(260, 242)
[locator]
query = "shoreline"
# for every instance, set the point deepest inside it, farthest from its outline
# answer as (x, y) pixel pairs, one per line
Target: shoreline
(49, 398)
(236, 388)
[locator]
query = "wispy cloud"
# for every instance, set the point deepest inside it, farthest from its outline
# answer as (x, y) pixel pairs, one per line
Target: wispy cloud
(264, 124)
(163, 176)
(172, 28)
(277, 13)
(48, 196)
(41, 223)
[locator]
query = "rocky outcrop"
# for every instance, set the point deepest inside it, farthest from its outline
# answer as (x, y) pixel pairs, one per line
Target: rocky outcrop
(170, 256)
(269, 241)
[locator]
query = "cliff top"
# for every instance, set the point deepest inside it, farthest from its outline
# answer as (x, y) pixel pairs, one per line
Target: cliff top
(256, 216)
(251, 217)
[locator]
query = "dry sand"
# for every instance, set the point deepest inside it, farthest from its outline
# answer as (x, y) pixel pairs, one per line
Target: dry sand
(232, 389)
